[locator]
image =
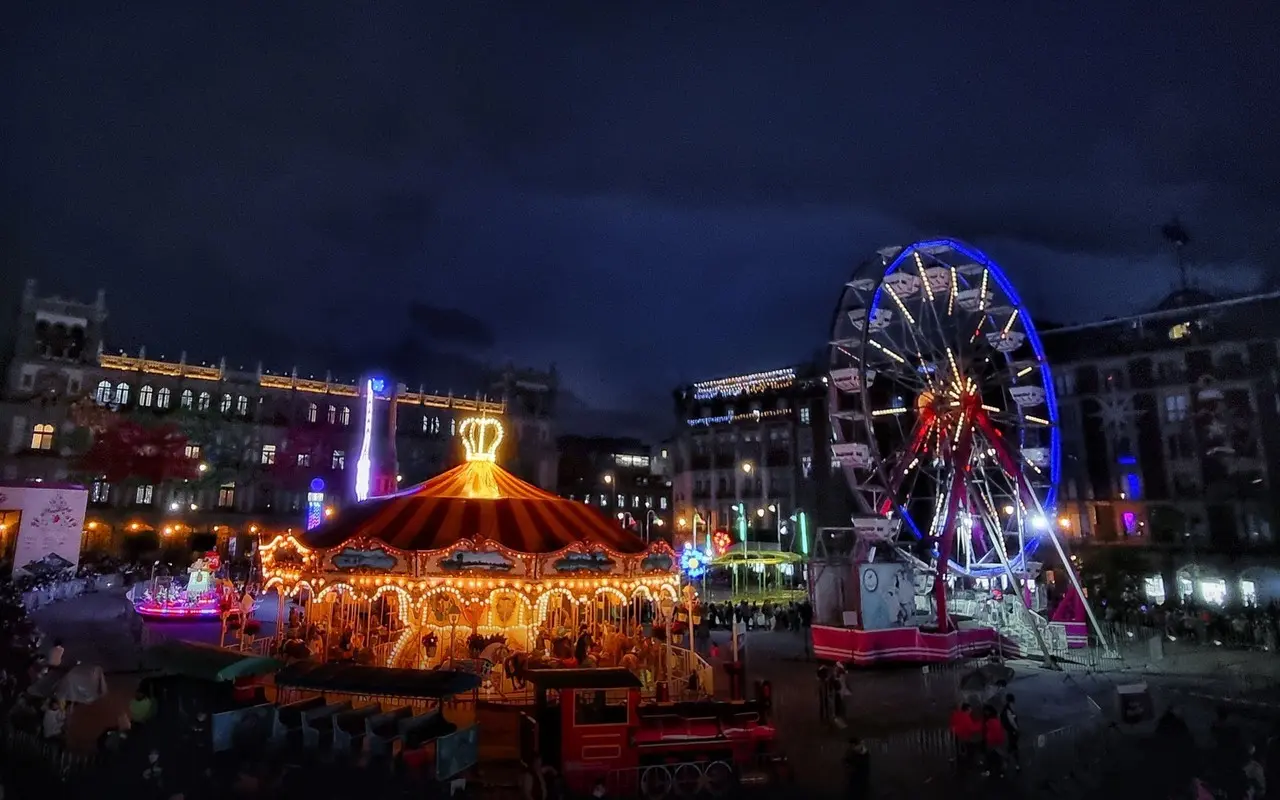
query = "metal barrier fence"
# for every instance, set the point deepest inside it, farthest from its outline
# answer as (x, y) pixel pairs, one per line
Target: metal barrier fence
(65, 590)
(42, 756)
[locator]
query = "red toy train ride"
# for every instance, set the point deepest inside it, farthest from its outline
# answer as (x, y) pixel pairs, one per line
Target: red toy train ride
(589, 726)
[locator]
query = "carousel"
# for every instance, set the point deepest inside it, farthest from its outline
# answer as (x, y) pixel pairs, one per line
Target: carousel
(471, 565)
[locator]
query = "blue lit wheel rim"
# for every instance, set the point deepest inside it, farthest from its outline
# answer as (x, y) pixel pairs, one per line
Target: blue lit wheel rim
(940, 388)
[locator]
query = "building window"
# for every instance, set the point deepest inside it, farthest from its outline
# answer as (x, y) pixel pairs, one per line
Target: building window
(192, 451)
(185, 399)
(122, 394)
(453, 427)
(1176, 407)
(339, 460)
(162, 397)
(622, 501)
(332, 415)
(203, 403)
(226, 495)
(804, 415)
(242, 405)
(604, 500)
(662, 503)
(225, 405)
(42, 437)
(345, 416)
(103, 394)
(100, 492)
(143, 495)
(311, 412)
(268, 454)
(304, 459)
(145, 396)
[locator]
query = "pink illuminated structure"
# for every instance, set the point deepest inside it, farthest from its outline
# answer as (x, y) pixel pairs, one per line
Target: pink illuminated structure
(203, 597)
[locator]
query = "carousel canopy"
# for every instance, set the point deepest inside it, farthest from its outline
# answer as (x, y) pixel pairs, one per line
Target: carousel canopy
(478, 498)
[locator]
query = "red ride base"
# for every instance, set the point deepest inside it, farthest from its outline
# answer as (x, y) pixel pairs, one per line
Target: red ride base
(910, 645)
(916, 646)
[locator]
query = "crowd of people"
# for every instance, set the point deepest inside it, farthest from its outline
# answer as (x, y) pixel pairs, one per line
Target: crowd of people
(769, 615)
(1249, 626)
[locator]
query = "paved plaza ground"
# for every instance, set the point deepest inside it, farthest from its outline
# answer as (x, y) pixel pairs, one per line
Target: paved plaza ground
(901, 711)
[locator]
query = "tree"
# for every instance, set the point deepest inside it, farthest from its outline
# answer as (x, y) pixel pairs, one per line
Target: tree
(305, 452)
(126, 450)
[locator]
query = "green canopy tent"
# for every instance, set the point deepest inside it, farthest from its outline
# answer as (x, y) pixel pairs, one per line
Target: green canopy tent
(206, 662)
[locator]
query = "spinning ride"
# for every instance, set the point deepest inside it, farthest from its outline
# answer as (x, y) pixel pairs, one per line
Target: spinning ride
(472, 564)
(944, 416)
(203, 597)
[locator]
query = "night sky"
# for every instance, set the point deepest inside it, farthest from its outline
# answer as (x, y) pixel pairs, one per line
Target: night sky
(642, 193)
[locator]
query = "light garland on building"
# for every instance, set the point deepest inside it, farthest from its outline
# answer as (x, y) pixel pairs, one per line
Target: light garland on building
(744, 384)
(750, 416)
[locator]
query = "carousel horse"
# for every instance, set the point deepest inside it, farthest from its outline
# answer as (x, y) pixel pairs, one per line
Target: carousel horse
(562, 648)
(516, 667)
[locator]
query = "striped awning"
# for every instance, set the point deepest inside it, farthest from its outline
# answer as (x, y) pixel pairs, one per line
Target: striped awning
(476, 498)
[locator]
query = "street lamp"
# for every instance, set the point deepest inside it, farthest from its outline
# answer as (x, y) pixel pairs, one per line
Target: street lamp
(696, 519)
(651, 516)
(747, 466)
(608, 478)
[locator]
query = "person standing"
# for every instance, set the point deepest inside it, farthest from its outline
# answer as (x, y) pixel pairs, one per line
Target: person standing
(993, 740)
(962, 732)
(857, 764)
(824, 694)
(837, 690)
(1009, 722)
(1255, 776)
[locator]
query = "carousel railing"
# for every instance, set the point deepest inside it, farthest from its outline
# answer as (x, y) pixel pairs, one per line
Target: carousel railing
(685, 664)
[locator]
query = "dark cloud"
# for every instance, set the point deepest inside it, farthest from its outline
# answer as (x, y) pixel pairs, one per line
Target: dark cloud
(450, 326)
(641, 194)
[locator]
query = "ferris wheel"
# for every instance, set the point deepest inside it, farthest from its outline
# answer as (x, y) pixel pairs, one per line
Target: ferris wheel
(943, 412)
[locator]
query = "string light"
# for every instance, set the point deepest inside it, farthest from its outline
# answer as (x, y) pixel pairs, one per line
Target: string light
(173, 369)
(744, 384)
(481, 437)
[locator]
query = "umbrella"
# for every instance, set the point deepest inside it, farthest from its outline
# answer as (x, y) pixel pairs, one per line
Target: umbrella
(83, 683)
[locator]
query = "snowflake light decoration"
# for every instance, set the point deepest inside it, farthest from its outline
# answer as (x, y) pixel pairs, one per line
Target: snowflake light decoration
(693, 562)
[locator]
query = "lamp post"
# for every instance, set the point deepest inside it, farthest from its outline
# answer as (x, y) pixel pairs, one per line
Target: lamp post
(651, 517)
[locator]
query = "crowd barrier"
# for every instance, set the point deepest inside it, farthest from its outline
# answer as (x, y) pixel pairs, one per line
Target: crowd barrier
(37, 754)
(65, 590)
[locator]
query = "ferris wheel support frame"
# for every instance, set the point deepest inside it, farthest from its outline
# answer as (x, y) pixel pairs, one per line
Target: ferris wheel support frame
(1026, 494)
(1019, 585)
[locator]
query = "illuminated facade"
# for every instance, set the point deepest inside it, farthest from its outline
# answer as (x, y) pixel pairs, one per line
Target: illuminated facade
(622, 477)
(1171, 427)
(759, 444)
(260, 438)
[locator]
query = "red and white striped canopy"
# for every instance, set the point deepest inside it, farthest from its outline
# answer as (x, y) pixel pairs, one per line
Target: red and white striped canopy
(476, 498)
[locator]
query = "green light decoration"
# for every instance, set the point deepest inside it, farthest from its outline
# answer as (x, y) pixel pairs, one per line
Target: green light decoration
(804, 534)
